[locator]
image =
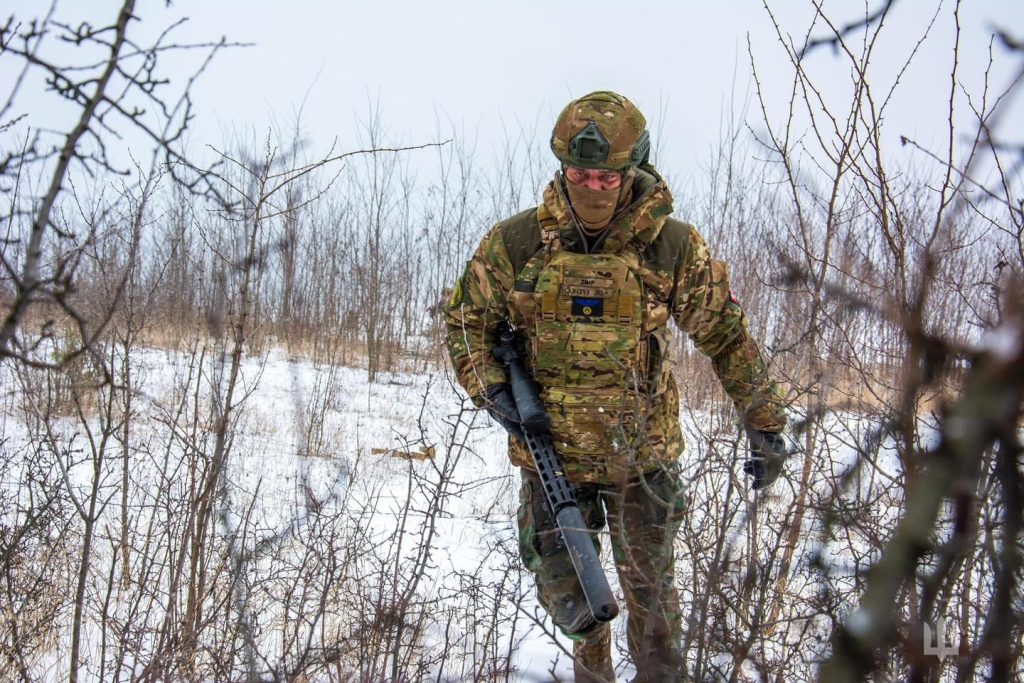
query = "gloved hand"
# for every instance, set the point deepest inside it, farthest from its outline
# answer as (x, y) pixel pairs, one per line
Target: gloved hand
(768, 453)
(502, 408)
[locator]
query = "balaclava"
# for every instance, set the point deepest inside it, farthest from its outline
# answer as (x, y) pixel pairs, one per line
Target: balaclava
(596, 208)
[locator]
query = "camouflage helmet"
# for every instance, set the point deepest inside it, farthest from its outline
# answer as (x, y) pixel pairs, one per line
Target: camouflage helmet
(601, 130)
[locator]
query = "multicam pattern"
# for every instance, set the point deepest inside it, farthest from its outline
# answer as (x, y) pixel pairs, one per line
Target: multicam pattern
(605, 375)
(619, 120)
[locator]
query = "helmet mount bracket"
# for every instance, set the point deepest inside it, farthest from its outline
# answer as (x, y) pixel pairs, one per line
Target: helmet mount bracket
(589, 145)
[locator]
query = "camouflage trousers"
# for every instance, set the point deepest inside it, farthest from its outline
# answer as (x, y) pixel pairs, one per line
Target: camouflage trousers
(643, 517)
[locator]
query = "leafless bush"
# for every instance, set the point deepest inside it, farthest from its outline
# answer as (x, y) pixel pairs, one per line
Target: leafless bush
(143, 316)
(872, 317)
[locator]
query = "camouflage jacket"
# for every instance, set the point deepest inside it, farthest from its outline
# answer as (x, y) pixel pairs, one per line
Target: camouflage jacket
(680, 280)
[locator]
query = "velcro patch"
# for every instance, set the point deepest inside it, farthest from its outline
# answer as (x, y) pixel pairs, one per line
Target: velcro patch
(457, 295)
(585, 292)
(587, 308)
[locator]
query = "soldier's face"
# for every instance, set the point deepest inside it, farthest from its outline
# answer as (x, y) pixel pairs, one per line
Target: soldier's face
(593, 178)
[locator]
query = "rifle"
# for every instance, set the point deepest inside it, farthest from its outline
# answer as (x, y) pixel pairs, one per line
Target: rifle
(558, 492)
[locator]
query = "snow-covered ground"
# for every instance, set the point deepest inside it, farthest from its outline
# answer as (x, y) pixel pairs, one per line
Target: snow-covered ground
(476, 535)
(312, 455)
(308, 434)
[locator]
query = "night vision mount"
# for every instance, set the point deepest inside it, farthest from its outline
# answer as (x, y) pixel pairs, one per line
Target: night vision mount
(590, 146)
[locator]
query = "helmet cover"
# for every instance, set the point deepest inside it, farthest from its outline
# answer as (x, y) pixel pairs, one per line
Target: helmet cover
(601, 130)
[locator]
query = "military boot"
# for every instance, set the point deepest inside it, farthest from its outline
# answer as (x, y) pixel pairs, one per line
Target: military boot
(592, 657)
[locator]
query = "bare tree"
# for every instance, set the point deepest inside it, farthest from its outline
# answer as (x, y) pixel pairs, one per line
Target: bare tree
(113, 96)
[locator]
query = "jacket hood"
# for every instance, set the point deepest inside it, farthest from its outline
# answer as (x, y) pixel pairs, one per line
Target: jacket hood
(641, 220)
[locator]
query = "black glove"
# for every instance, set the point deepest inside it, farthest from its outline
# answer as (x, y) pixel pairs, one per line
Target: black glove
(502, 408)
(768, 453)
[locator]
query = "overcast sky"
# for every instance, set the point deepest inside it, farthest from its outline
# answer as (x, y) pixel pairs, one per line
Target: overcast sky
(493, 67)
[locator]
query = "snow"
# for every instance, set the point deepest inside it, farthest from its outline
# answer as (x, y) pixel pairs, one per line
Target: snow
(303, 437)
(305, 432)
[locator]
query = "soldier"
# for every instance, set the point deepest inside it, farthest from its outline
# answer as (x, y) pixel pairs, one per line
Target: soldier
(590, 279)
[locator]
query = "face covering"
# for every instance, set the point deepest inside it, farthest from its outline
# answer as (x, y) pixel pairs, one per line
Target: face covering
(594, 208)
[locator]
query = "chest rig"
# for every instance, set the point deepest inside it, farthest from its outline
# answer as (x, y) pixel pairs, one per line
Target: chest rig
(598, 343)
